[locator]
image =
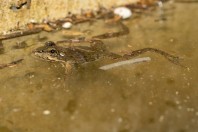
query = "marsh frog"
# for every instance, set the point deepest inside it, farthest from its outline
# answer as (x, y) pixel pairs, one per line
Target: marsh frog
(77, 55)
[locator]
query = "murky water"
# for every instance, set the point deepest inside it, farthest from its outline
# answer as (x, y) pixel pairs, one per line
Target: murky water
(37, 96)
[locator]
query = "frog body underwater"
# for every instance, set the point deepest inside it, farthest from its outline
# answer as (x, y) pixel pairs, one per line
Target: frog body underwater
(78, 55)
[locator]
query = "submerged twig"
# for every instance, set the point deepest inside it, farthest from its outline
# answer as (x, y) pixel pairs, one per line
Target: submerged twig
(76, 40)
(19, 34)
(114, 34)
(126, 62)
(11, 64)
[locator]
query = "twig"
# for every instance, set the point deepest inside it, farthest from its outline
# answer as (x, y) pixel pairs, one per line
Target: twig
(114, 34)
(19, 34)
(11, 64)
(121, 63)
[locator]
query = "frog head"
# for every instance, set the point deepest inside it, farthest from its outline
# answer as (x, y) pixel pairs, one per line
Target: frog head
(50, 52)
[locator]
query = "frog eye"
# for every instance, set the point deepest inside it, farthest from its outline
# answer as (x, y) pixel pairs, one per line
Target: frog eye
(49, 43)
(52, 51)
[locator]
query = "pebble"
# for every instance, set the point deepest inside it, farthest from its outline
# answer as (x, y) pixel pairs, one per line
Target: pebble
(161, 118)
(32, 20)
(67, 25)
(46, 112)
(120, 120)
(123, 12)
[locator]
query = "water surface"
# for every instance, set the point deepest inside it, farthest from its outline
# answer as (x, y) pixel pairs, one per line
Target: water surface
(37, 96)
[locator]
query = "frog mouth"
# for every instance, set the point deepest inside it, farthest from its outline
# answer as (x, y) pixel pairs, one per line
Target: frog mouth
(41, 55)
(38, 54)
(44, 56)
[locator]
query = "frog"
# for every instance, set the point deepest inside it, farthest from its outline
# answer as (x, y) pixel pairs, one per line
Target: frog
(74, 56)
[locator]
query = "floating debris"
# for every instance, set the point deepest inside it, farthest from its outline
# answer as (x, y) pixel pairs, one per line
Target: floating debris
(72, 19)
(121, 63)
(123, 12)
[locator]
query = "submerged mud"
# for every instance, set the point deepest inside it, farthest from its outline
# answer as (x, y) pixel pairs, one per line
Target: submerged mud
(37, 95)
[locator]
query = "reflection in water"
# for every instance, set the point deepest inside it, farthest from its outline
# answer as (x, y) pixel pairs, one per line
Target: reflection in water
(159, 96)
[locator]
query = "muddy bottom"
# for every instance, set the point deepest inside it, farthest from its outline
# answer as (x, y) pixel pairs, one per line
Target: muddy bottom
(154, 96)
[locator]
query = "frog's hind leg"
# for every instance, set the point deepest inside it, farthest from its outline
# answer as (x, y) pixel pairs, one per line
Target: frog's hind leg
(173, 59)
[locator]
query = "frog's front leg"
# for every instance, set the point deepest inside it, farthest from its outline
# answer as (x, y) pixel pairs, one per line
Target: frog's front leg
(70, 67)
